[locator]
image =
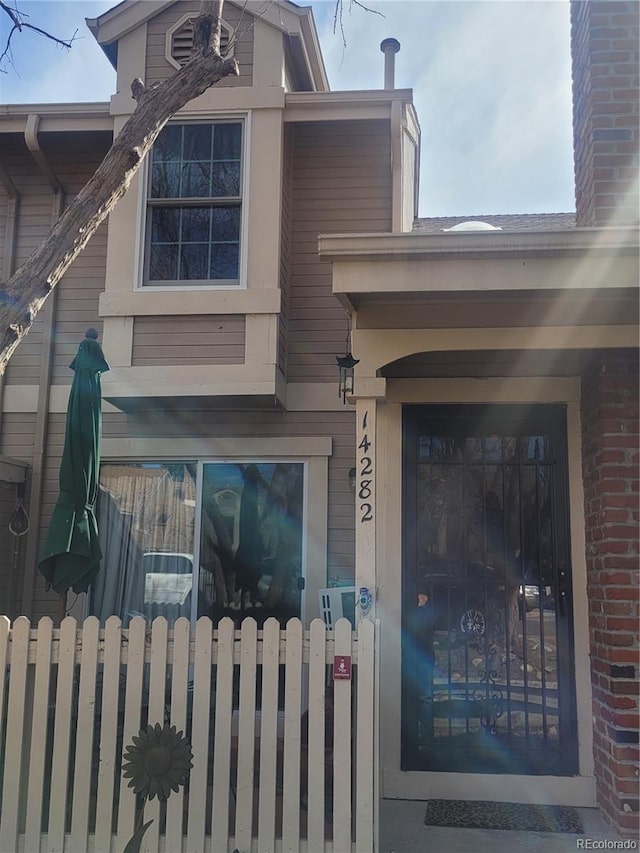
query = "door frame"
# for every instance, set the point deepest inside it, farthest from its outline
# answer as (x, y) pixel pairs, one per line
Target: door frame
(396, 783)
(550, 418)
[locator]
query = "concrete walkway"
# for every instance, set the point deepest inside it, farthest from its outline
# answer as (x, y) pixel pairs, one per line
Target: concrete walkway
(402, 830)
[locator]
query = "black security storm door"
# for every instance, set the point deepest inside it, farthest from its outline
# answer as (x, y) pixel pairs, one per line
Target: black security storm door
(487, 657)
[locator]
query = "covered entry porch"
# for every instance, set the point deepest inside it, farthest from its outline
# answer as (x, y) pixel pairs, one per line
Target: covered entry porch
(490, 322)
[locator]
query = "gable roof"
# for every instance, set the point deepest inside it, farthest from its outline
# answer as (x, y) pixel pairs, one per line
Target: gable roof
(296, 22)
(505, 221)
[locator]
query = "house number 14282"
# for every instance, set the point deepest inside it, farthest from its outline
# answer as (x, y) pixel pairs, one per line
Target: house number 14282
(365, 474)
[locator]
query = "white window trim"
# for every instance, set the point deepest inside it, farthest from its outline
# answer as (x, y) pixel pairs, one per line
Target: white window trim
(141, 231)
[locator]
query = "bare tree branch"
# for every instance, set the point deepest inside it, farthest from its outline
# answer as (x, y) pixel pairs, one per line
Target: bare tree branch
(338, 22)
(19, 24)
(24, 294)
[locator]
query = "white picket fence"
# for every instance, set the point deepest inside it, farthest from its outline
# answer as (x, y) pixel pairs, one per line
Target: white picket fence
(74, 697)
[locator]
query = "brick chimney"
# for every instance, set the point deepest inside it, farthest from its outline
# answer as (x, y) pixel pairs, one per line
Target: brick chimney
(604, 49)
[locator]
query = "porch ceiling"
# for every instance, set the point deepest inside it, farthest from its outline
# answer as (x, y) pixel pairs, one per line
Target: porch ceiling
(485, 364)
(496, 309)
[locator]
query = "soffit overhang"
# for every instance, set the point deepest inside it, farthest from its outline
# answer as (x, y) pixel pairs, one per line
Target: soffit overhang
(176, 404)
(406, 269)
(345, 105)
(57, 117)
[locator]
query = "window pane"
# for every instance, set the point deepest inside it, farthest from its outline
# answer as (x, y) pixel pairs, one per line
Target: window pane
(195, 161)
(226, 224)
(226, 179)
(196, 180)
(165, 180)
(251, 540)
(194, 261)
(146, 515)
(197, 142)
(227, 142)
(168, 144)
(196, 224)
(165, 224)
(224, 261)
(163, 262)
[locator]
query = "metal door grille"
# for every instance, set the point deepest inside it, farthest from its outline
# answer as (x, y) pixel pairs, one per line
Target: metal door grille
(485, 661)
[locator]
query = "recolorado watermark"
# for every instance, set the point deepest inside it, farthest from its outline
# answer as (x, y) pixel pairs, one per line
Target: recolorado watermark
(599, 844)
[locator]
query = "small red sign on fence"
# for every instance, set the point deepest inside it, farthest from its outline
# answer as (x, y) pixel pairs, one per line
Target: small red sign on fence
(342, 667)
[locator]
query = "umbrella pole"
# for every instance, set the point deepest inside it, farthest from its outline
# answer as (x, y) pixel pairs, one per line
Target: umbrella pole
(62, 607)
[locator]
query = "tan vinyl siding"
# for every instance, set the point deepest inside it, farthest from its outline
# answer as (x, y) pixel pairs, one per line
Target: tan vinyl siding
(33, 223)
(213, 424)
(209, 339)
(73, 159)
(77, 307)
(159, 69)
(341, 183)
(4, 208)
(17, 435)
(16, 441)
(10, 548)
(46, 603)
(285, 249)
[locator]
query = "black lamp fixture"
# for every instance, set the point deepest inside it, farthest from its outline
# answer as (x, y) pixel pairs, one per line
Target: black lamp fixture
(346, 363)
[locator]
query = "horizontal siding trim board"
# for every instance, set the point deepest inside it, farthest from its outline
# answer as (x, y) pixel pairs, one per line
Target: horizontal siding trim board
(178, 303)
(302, 395)
(194, 448)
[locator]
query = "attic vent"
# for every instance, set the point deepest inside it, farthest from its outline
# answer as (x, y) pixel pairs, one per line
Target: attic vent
(180, 42)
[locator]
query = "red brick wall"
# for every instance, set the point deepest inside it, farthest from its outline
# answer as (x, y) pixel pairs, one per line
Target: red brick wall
(610, 470)
(604, 47)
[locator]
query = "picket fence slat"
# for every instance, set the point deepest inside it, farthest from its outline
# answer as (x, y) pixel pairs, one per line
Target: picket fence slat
(41, 703)
(268, 737)
(108, 734)
(62, 735)
(364, 813)
(256, 784)
(291, 760)
(15, 724)
(201, 716)
(84, 736)
(179, 688)
(342, 745)
(222, 744)
(316, 745)
(132, 710)
(246, 734)
(156, 714)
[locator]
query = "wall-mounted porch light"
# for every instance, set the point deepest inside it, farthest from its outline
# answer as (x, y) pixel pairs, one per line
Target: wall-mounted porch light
(346, 363)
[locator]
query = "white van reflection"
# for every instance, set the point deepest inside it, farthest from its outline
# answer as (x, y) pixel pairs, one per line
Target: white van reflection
(168, 579)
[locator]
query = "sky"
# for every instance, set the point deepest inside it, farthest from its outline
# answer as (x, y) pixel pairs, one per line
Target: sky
(491, 82)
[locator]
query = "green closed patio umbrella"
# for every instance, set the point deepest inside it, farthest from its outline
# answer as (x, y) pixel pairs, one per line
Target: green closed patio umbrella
(70, 558)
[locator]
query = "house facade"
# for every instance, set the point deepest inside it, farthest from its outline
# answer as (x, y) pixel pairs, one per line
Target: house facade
(480, 487)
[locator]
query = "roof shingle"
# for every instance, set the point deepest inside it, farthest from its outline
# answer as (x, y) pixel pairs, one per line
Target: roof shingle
(505, 221)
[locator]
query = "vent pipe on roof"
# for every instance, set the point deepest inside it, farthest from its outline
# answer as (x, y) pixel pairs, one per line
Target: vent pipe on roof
(389, 47)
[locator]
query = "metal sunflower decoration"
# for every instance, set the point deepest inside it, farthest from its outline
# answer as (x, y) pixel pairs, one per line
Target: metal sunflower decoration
(156, 763)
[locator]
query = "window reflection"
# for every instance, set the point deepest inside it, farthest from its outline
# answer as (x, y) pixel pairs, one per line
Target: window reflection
(250, 542)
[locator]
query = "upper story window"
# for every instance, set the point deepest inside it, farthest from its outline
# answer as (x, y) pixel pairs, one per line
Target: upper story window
(194, 205)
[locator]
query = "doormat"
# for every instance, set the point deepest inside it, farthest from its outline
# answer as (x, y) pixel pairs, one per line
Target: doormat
(516, 816)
